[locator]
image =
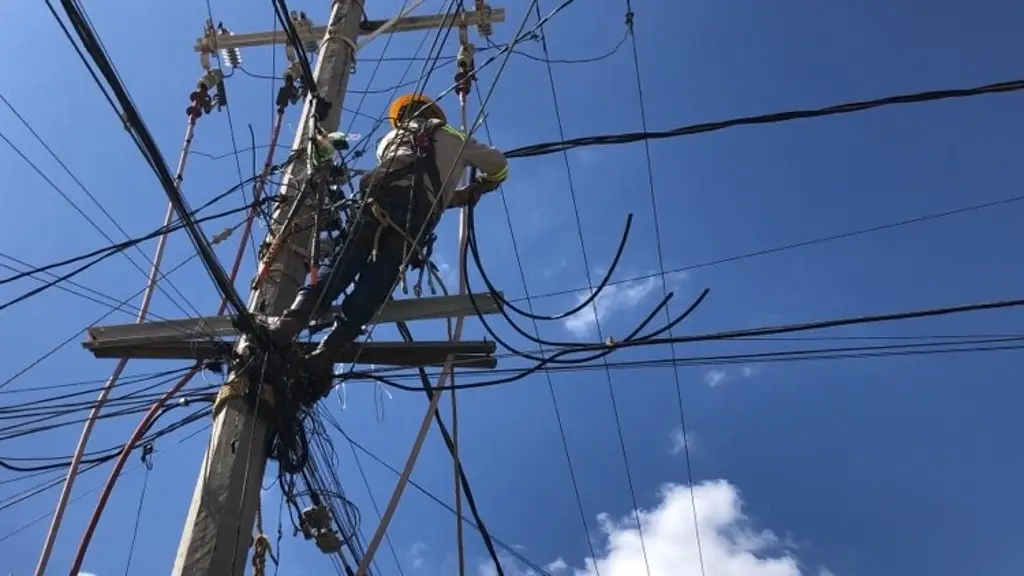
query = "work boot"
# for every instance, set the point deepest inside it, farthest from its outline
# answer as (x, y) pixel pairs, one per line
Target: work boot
(320, 363)
(286, 327)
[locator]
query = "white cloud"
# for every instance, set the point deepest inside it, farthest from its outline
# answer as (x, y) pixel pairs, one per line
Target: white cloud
(86, 574)
(613, 298)
(559, 566)
(715, 377)
(719, 376)
(448, 274)
(555, 268)
(416, 554)
(730, 545)
(681, 441)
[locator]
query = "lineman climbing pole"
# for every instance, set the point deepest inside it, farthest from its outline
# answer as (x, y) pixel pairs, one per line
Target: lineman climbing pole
(215, 540)
(226, 499)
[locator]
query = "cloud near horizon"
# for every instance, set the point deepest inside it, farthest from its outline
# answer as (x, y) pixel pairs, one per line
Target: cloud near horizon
(730, 545)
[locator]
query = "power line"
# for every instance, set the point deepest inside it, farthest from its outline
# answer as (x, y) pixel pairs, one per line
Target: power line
(89, 492)
(773, 118)
(506, 547)
(995, 344)
(687, 460)
(597, 321)
(147, 146)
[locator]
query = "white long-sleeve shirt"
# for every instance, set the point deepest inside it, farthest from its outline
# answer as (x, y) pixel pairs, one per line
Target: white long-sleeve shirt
(453, 151)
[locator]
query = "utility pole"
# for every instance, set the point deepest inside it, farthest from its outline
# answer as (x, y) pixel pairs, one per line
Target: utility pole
(218, 528)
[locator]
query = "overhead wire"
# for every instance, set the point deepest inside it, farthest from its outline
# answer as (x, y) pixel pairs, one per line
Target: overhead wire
(147, 461)
(91, 491)
(95, 257)
(772, 118)
(653, 340)
(91, 197)
(151, 152)
(53, 350)
(563, 437)
(587, 60)
(680, 404)
(590, 283)
(834, 353)
(512, 550)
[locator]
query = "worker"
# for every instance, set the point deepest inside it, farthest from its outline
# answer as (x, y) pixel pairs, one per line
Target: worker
(419, 164)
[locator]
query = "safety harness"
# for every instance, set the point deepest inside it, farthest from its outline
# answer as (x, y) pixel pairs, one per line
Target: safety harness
(418, 136)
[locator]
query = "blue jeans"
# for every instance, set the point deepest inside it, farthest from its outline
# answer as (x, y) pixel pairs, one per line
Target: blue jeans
(374, 280)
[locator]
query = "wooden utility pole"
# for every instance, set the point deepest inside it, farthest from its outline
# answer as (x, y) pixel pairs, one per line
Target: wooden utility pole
(218, 528)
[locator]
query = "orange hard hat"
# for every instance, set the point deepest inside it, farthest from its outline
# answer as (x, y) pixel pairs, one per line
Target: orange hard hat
(395, 110)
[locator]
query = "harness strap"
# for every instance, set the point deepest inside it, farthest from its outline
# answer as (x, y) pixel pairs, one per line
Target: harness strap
(385, 220)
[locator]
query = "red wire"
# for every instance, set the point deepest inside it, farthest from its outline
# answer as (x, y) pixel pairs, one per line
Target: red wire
(154, 410)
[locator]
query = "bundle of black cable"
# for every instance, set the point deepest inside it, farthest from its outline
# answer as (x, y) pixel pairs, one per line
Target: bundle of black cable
(289, 441)
(285, 408)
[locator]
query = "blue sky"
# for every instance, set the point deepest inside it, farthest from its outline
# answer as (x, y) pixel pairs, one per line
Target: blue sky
(884, 466)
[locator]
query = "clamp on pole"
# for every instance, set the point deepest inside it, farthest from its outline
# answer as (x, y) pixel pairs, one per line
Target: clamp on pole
(201, 101)
(208, 45)
(304, 25)
(483, 15)
(467, 70)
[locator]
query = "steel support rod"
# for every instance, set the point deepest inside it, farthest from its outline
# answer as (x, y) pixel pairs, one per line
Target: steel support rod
(154, 410)
(421, 436)
(101, 400)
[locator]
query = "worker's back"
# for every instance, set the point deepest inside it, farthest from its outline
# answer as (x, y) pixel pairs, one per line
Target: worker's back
(453, 151)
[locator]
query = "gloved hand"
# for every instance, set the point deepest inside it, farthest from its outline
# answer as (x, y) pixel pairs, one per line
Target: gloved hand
(467, 195)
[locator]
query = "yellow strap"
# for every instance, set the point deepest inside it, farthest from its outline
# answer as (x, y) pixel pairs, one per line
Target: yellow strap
(453, 132)
(384, 218)
(235, 388)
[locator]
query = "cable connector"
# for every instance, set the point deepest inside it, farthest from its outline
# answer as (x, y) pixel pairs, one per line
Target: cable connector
(465, 76)
(206, 44)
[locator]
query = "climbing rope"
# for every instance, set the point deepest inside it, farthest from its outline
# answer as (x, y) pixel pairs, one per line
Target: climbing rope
(261, 546)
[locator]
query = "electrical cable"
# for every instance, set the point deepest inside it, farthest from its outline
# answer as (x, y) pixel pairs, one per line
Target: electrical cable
(97, 256)
(147, 461)
(773, 118)
(772, 330)
(89, 492)
(536, 330)
(588, 60)
(504, 546)
(94, 200)
(57, 347)
(680, 404)
(151, 151)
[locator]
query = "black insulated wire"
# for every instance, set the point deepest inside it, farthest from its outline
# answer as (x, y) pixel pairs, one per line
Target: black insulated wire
(151, 151)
